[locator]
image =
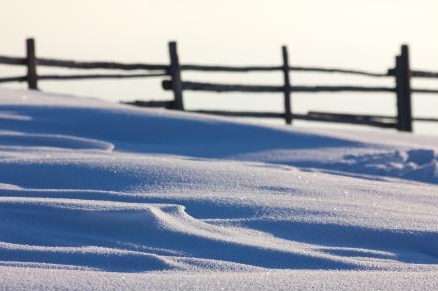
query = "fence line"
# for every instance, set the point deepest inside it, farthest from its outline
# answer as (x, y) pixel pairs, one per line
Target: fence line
(401, 73)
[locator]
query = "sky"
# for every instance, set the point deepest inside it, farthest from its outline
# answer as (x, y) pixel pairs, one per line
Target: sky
(339, 33)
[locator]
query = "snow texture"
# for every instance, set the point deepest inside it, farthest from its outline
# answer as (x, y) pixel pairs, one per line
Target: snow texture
(102, 196)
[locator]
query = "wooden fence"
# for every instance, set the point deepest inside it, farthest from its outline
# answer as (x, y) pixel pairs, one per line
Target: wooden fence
(172, 72)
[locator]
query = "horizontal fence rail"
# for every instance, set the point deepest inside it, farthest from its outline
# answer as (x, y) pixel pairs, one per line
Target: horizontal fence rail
(99, 65)
(424, 74)
(98, 76)
(13, 79)
(210, 68)
(387, 122)
(207, 68)
(425, 91)
(417, 74)
(401, 73)
(194, 86)
(82, 76)
(12, 61)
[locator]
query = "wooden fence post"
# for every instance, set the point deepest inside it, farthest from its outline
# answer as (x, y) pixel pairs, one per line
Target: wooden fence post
(403, 89)
(287, 86)
(31, 63)
(175, 74)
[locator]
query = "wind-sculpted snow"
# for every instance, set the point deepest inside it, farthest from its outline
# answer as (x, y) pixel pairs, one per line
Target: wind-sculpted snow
(69, 122)
(104, 196)
(12, 139)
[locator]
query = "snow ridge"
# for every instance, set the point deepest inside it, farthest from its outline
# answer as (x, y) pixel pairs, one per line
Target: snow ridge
(115, 196)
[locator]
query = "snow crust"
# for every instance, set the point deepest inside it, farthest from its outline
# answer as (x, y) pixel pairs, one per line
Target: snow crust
(101, 196)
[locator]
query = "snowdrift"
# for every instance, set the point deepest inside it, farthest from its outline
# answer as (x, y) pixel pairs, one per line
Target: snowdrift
(95, 195)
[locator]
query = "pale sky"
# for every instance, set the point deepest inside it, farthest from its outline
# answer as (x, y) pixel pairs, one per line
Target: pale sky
(337, 33)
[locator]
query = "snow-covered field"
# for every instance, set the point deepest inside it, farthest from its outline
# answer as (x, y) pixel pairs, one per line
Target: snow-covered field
(101, 196)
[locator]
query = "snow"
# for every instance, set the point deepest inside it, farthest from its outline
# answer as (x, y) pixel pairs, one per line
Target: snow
(102, 196)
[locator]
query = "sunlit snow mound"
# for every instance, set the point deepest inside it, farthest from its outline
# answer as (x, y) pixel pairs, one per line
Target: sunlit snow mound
(88, 187)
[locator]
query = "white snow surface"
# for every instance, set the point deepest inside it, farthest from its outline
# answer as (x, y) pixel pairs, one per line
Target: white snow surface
(102, 196)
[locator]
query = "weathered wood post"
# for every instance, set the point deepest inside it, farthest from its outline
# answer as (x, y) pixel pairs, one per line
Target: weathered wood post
(287, 86)
(403, 89)
(175, 74)
(31, 63)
